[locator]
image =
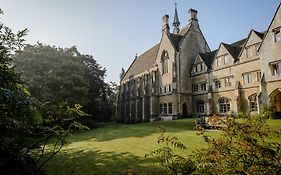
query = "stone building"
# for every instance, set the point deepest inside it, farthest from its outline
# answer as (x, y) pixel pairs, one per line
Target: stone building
(182, 77)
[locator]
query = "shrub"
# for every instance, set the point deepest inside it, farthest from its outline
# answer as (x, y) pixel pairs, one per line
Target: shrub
(245, 147)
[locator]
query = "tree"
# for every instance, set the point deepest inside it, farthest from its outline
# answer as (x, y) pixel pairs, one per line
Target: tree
(24, 131)
(57, 74)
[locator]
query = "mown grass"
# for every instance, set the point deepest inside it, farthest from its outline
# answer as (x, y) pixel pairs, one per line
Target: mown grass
(114, 148)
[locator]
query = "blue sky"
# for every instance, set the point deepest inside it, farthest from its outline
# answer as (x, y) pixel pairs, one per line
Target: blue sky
(113, 31)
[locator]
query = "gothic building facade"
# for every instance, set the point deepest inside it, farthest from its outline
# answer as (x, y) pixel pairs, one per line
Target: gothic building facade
(181, 77)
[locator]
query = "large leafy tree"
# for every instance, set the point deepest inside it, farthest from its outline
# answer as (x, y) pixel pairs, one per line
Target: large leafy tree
(58, 74)
(25, 126)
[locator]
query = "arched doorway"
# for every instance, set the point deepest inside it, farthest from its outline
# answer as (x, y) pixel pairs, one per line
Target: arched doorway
(275, 100)
(184, 109)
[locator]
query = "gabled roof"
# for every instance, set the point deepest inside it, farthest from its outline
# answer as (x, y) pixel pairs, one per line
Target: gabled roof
(239, 43)
(267, 31)
(259, 34)
(142, 63)
(232, 49)
(175, 40)
(185, 29)
(208, 58)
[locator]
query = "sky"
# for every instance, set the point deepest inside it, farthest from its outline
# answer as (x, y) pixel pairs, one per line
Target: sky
(114, 31)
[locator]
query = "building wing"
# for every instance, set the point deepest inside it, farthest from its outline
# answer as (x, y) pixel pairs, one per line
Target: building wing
(142, 62)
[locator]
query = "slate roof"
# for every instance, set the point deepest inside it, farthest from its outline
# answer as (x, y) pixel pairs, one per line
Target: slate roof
(260, 34)
(175, 40)
(208, 58)
(185, 29)
(142, 62)
(233, 49)
(239, 43)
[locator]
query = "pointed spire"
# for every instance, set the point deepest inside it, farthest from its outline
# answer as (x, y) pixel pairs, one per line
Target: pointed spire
(176, 22)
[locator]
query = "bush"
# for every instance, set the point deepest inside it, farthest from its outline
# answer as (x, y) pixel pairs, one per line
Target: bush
(245, 147)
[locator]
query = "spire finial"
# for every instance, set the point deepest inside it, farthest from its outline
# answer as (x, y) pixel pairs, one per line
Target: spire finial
(176, 22)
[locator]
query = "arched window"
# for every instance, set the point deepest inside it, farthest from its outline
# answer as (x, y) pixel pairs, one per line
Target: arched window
(200, 106)
(253, 103)
(224, 105)
(164, 61)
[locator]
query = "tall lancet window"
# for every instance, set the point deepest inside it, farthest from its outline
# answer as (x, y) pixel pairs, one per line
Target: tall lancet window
(164, 61)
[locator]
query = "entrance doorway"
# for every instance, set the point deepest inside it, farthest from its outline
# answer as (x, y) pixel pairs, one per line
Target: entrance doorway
(184, 109)
(275, 100)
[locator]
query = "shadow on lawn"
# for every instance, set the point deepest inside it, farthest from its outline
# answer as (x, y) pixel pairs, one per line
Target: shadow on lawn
(110, 131)
(99, 163)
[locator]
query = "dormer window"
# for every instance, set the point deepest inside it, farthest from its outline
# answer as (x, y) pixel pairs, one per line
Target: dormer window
(219, 61)
(226, 59)
(198, 68)
(223, 59)
(277, 34)
(249, 52)
(257, 46)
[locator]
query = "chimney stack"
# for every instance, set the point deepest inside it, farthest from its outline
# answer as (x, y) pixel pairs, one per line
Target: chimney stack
(165, 27)
(192, 15)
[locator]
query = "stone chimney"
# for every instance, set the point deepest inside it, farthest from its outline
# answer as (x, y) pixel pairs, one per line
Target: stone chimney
(166, 27)
(192, 15)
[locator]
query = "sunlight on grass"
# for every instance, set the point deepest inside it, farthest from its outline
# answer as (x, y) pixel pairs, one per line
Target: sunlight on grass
(114, 148)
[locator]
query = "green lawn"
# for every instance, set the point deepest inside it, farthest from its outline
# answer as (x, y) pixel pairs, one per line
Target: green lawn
(114, 148)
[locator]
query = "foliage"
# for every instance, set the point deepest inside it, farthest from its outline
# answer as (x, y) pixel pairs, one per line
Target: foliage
(61, 115)
(268, 111)
(23, 130)
(245, 147)
(24, 145)
(56, 74)
(166, 157)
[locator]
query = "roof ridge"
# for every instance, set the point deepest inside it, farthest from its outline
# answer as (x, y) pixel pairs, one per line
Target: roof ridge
(147, 60)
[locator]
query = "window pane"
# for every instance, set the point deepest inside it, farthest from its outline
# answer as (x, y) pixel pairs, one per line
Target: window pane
(170, 108)
(226, 60)
(203, 87)
(247, 78)
(224, 105)
(249, 52)
(277, 35)
(274, 69)
(279, 68)
(200, 107)
(217, 84)
(165, 108)
(253, 103)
